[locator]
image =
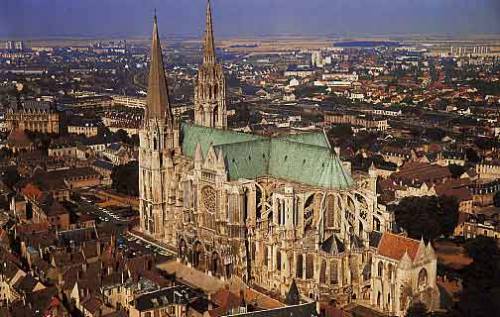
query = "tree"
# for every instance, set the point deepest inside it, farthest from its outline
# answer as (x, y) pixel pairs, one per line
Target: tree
(11, 177)
(341, 135)
(456, 170)
(435, 134)
(122, 136)
(125, 178)
(428, 216)
(447, 214)
(134, 140)
(496, 199)
(365, 140)
(340, 131)
(481, 280)
(417, 309)
(41, 140)
(5, 153)
(472, 155)
(481, 248)
(308, 91)
(486, 143)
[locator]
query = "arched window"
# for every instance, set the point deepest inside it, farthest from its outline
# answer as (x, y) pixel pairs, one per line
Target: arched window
(187, 193)
(280, 212)
(300, 266)
(376, 224)
(422, 278)
(379, 304)
(380, 269)
(309, 207)
(309, 266)
(278, 260)
(216, 115)
(199, 256)
(390, 272)
(333, 273)
(215, 264)
(258, 202)
(322, 272)
(330, 211)
(182, 249)
(266, 255)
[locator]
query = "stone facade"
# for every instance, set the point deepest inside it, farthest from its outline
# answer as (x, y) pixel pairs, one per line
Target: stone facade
(33, 115)
(403, 271)
(488, 171)
(269, 211)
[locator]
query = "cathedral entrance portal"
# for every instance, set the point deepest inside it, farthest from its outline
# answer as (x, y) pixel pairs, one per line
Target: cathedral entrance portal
(215, 264)
(182, 250)
(199, 256)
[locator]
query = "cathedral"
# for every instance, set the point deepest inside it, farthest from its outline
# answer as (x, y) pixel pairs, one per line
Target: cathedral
(271, 212)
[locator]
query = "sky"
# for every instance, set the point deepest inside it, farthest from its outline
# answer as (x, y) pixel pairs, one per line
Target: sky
(247, 18)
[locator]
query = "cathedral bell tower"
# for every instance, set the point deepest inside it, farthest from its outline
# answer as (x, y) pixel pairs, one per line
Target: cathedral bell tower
(157, 144)
(210, 85)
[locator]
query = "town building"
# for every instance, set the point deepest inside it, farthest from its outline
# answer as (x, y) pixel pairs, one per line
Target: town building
(474, 228)
(33, 115)
(366, 122)
(488, 170)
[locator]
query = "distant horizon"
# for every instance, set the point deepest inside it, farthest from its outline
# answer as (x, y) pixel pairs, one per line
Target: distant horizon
(334, 38)
(94, 19)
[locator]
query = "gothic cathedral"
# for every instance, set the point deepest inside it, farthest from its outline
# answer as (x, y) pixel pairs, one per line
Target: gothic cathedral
(271, 212)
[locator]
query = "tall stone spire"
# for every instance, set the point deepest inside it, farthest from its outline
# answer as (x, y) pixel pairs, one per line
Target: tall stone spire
(210, 89)
(158, 103)
(208, 40)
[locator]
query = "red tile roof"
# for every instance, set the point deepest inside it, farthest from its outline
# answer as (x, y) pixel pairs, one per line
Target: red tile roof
(18, 138)
(32, 228)
(92, 304)
(394, 246)
(421, 172)
(32, 191)
(226, 299)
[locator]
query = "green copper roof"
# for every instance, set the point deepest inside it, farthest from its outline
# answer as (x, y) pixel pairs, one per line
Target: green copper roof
(304, 158)
(246, 159)
(313, 138)
(309, 164)
(194, 134)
